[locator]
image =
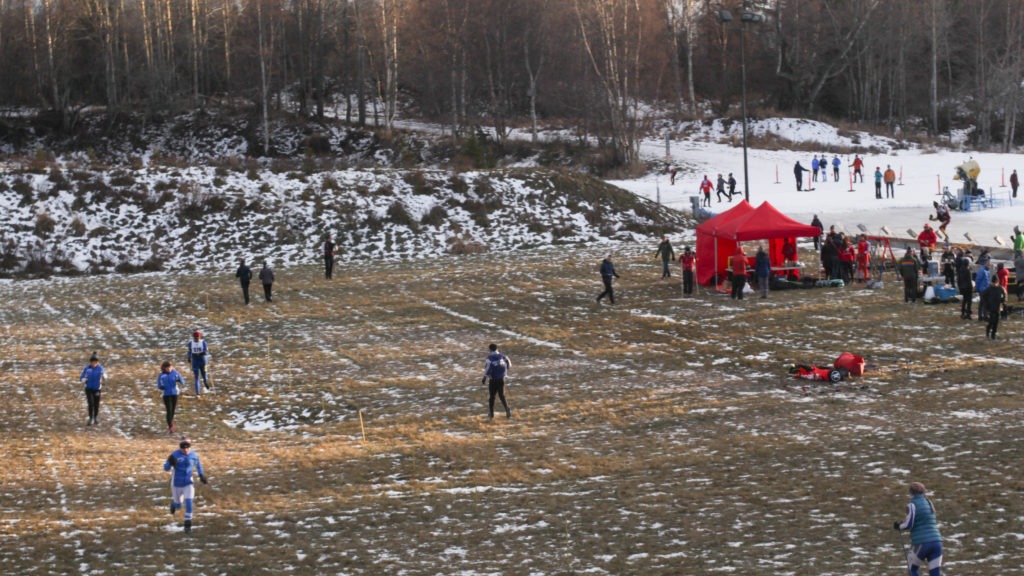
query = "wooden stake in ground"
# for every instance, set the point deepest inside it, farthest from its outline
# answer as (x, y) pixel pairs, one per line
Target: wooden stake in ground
(361, 427)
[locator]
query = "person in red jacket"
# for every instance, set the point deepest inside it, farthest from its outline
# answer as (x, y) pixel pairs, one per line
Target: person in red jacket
(927, 240)
(863, 258)
(1003, 277)
(688, 262)
(858, 168)
(847, 258)
(738, 264)
(706, 186)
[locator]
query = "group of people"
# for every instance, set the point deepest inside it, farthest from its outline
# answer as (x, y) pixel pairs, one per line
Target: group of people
(842, 257)
(183, 463)
(820, 166)
(723, 187)
(266, 277)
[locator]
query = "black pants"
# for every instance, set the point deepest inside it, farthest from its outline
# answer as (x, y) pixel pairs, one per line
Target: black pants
(607, 289)
(878, 190)
(496, 387)
(266, 292)
(170, 405)
(993, 325)
(92, 397)
(738, 282)
(245, 291)
(328, 265)
(966, 293)
(687, 281)
(910, 289)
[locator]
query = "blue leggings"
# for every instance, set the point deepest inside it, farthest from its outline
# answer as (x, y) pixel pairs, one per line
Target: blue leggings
(929, 554)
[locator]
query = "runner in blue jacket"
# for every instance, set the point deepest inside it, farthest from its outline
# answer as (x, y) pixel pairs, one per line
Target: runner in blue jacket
(93, 377)
(168, 382)
(925, 540)
(185, 464)
(497, 366)
(197, 356)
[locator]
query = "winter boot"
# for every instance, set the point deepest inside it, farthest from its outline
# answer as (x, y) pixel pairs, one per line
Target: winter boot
(173, 509)
(188, 526)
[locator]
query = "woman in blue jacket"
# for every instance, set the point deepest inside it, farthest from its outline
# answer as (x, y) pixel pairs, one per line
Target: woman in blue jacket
(763, 269)
(168, 382)
(93, 377)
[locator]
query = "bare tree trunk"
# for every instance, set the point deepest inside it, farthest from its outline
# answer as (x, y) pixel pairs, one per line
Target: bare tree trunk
(531, 74)
(390, 13)
(933, 86)
(264, 96)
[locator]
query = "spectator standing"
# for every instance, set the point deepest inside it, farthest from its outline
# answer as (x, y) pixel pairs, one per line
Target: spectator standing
(863, 258)
(993, 299)
(267, 279)
(688, 263)
(789, 252)
(763, 270)
(1018, 239)
(948, 263)
(798, 172)
(982, 279)
(964, 281)
(607, 273)
(667, 255)
(705, 188)
(878, 183)
(1002, 277)
(910, 268)
(244, 275)
(93, 376)
(1014, 183)
(836, 163)
(815, 165)
(890, 181)
(1018, 271)
(816, 222)
(925, 540)
(847, 261)
(858, 168)
(738, 264)
(329, 257)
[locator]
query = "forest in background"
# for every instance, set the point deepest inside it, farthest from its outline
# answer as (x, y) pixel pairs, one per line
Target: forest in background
(593, 65)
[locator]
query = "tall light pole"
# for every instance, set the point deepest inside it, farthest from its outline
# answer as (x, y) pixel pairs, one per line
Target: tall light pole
(724, 16)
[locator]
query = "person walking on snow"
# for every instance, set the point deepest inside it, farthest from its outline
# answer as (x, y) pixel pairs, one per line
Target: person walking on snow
(267, 278)
(197, 354)
(890, 180)
(688, 263)
(329, 257)
(858, 168)
(498, 366)
(878, 183)
(763, 270)
(720, 189)
(184, 465)
(244, 275)
(836, 163)
(1014, 183)
(93, 377)
(925, 539)
(607, 273)
(798, 172)
(815, 165)
(705, 188)
(169, 382)
(667, 255)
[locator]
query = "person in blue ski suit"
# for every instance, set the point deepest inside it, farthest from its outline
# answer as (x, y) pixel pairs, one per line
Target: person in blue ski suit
(981, 281)
(925, 540)
(185, 465)
(93, 377)
(197, 354)
(814, 167)
(168, 382)
(836, 163)
(497, 366)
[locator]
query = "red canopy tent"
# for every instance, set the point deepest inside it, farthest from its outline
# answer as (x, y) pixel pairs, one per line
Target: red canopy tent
(716, 243)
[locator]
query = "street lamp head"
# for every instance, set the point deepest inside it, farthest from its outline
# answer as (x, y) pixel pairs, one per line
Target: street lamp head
(724, 16)
(752, 17)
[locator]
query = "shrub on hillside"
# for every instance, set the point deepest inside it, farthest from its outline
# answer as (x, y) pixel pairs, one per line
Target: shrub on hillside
(399, 215)
(419, 183)
(465, 246)
(45, 224)
(77, 227)
(436, 216)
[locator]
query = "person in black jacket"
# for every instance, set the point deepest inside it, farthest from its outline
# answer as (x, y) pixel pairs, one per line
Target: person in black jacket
(244, 275)
(993, 299)
(607, 273)
(267, 278)
(965, 281)
(798, 171)
(328, 257)
(821, 228)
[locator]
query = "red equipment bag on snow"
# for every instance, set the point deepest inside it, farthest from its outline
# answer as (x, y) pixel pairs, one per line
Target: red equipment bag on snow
(852, 362)
(832, 375)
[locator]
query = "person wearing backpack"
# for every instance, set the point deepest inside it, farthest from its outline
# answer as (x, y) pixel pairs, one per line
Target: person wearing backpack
(494, 376)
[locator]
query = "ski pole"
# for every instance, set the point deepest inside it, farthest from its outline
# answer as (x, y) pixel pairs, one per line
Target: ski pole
(906, 553)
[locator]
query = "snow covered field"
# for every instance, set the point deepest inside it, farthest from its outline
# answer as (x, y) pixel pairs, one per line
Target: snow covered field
(659, 436)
